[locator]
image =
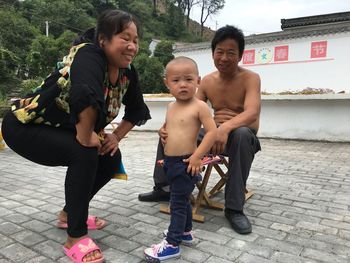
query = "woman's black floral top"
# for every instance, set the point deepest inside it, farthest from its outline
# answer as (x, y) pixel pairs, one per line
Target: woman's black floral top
(80, 81)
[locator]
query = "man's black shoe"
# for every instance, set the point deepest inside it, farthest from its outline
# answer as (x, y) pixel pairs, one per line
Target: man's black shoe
(156, 195)
(239, 222)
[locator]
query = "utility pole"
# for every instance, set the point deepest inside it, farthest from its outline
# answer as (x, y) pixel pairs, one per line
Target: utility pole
(47, 28)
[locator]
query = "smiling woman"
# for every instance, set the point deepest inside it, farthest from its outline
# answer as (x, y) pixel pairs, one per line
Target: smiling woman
(61, 123)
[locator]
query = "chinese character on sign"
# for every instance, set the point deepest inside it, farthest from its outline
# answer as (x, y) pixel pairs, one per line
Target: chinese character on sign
(319, 49)
(281, 53)
(249, 56)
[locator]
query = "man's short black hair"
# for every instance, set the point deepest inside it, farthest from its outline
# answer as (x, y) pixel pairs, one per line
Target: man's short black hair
(229, 32)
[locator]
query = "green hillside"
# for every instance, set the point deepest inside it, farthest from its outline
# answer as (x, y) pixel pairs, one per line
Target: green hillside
(27, 55)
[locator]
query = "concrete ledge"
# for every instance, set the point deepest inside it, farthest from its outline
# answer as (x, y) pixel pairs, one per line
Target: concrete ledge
(323, 117)
(307, 117)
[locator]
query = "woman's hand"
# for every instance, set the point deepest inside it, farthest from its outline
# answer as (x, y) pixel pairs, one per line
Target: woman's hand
(92, 141)
(110, 143)
(194, 165)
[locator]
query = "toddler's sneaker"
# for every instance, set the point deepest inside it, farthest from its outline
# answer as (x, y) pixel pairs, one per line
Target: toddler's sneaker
(161, 251)
(187, 237)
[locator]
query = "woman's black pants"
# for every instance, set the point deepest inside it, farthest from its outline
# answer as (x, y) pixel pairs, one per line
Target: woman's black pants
(87, 171)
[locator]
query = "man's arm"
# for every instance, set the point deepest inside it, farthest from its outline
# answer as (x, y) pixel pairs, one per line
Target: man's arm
(250, 114)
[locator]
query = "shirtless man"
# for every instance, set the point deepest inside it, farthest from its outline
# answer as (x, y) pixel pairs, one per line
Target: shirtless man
(182, 161)
(234, 93)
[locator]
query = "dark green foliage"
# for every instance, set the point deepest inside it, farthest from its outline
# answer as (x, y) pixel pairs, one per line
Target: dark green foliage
(26, 53)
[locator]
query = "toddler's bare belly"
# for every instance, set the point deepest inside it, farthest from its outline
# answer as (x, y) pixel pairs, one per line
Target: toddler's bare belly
(179, 147)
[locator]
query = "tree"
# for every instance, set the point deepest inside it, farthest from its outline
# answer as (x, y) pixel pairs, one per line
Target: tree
(150, 71)
(186, 7)
(189, 5)
(42, 58)
(45, 52)
(208, 8)
(154, 2)
(164, 51)
(61, 15)
(8, 66)
(174, 21)
(16, 35)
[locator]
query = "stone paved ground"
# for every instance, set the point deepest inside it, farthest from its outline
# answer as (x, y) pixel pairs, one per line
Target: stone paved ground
(300, 210)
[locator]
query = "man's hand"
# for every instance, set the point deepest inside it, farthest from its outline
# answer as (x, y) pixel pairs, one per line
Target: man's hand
(109, 144)
(163, 134)
(221, 140)
(194, 165)
(93, 141)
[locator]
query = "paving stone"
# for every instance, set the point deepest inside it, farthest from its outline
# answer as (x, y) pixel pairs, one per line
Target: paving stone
(146, 218)
(269, 233)
(18, 253)
(41, 259)
(120, 243)
(147, 240)
(213, 237)
(193, 255)
(218, 250)
(121, 220)
(317, 228)
(280, 245)
(323, 256)
(149, 228)
(331, 223)
(282, 227)
(283, 257)
(16, 218)
(214, 259)
(279, 219)
(231, 233)
(300, 208)
(28, 238)
(248, 258)
(5, 241)
(8, 228)
(252, 248)
(115, 256)
(122, 211)
(26, 210)
(50, 249)
(123, 231)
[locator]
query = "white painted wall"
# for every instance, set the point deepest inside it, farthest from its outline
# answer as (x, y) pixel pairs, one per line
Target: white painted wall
(307, 117)
(301, 71)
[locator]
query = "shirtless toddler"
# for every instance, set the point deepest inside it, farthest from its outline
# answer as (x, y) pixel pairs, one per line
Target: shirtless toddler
(182, 162)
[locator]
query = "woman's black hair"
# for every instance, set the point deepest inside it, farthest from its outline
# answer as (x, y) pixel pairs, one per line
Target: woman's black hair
(110, 23)
(229, 32)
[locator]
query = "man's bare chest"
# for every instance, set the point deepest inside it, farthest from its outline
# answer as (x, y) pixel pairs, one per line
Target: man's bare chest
(227, 99)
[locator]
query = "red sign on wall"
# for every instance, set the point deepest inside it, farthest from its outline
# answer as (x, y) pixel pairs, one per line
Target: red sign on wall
(281, 53)
(249, 57)
(319, 49)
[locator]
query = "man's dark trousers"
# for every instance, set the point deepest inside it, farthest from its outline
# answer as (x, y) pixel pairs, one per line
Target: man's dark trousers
(242, 144)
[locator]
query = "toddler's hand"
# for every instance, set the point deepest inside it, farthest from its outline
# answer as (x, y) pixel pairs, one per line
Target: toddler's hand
(194, 165)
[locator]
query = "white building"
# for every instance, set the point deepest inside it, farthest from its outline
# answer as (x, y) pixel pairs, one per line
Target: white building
(309, 52)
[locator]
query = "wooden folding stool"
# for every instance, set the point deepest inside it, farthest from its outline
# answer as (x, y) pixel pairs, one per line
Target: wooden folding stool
(203, 197)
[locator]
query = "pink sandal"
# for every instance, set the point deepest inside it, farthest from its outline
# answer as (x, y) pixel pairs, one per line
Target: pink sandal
(91, 223)
(82, 248)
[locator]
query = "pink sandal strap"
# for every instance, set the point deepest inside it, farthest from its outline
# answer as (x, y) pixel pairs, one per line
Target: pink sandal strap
(82, 248)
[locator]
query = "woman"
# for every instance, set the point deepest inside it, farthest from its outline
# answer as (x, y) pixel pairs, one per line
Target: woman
(61, 123)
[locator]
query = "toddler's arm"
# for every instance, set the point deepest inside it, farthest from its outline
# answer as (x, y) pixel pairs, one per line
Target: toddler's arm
(209, 125)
